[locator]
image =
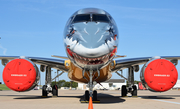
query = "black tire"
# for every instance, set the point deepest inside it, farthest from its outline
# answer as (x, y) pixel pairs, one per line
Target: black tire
(134, 92)
(55, 90)
(86, 96)
(94, 95)
(123, 91)
(44, 92)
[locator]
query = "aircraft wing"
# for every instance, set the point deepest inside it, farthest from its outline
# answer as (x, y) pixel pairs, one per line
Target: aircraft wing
(126, 63)
(54, 63)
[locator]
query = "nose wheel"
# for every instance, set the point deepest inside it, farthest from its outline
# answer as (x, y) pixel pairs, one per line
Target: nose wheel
(94, 95)
(87, 96)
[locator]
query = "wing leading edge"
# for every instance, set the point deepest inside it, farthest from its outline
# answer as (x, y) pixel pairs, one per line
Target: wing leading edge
(54, 63)
(126, 63)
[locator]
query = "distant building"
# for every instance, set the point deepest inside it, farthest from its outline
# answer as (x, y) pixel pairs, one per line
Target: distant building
(112, 84)
(82, 86)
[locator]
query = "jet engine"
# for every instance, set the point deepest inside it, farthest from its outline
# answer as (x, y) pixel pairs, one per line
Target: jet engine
(159, 75)
(21, 75)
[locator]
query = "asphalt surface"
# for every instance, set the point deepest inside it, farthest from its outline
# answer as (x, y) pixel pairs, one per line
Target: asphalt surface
(70, 99)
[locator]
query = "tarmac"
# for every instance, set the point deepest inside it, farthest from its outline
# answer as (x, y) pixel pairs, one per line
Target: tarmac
(70, 99)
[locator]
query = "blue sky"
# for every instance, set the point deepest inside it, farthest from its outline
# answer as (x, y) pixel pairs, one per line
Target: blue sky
(35, 27)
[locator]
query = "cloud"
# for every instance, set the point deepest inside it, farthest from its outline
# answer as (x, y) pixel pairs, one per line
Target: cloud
(4, 49)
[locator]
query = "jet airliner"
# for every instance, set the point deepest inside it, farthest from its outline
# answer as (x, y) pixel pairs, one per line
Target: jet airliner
(91, 40)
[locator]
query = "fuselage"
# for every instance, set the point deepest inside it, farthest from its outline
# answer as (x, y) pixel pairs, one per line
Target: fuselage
(91, 38)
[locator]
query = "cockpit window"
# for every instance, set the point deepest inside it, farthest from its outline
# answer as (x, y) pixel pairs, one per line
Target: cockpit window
(100, 18)
(82, 18)
(91, 17)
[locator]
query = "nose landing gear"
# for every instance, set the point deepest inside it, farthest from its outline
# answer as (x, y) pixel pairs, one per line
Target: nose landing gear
(90, 94)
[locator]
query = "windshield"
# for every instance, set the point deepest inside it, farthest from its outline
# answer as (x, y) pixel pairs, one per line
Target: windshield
(100, 18)
(82, 18)
(87, 18)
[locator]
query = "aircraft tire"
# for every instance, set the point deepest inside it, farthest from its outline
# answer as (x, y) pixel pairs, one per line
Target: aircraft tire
(86, 96)
(123, 91)
(44, 92)
(94, 95)
(134, 92)
(55, 90)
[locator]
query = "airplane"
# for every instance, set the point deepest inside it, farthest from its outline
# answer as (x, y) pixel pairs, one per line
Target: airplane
(91, 41)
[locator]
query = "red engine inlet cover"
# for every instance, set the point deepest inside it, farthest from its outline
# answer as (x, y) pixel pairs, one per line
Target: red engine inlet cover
(19, 74)
(160, 75)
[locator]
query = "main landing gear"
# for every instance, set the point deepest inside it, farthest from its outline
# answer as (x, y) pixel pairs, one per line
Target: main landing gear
(131, 87)
(46, 89)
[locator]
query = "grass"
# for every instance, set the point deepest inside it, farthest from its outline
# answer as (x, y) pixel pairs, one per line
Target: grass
(4, 87)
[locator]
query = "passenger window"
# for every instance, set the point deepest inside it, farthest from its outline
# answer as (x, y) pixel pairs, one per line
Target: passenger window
(82, 18)
(100, 18)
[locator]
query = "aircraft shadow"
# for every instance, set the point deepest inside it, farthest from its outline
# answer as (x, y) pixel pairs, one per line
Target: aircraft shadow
(160, 97)
(33, 97)
(14, 95)
(27, 96)
(104, 98)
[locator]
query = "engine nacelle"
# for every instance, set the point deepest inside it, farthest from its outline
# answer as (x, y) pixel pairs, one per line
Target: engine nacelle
(21, 75)
(159, 75)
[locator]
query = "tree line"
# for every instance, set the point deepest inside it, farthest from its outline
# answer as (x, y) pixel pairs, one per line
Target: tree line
(63, 83)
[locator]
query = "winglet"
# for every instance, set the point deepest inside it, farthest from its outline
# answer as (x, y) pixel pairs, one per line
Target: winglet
(90, 103)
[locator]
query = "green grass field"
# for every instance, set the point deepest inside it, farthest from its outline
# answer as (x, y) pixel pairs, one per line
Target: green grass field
(4, 87)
